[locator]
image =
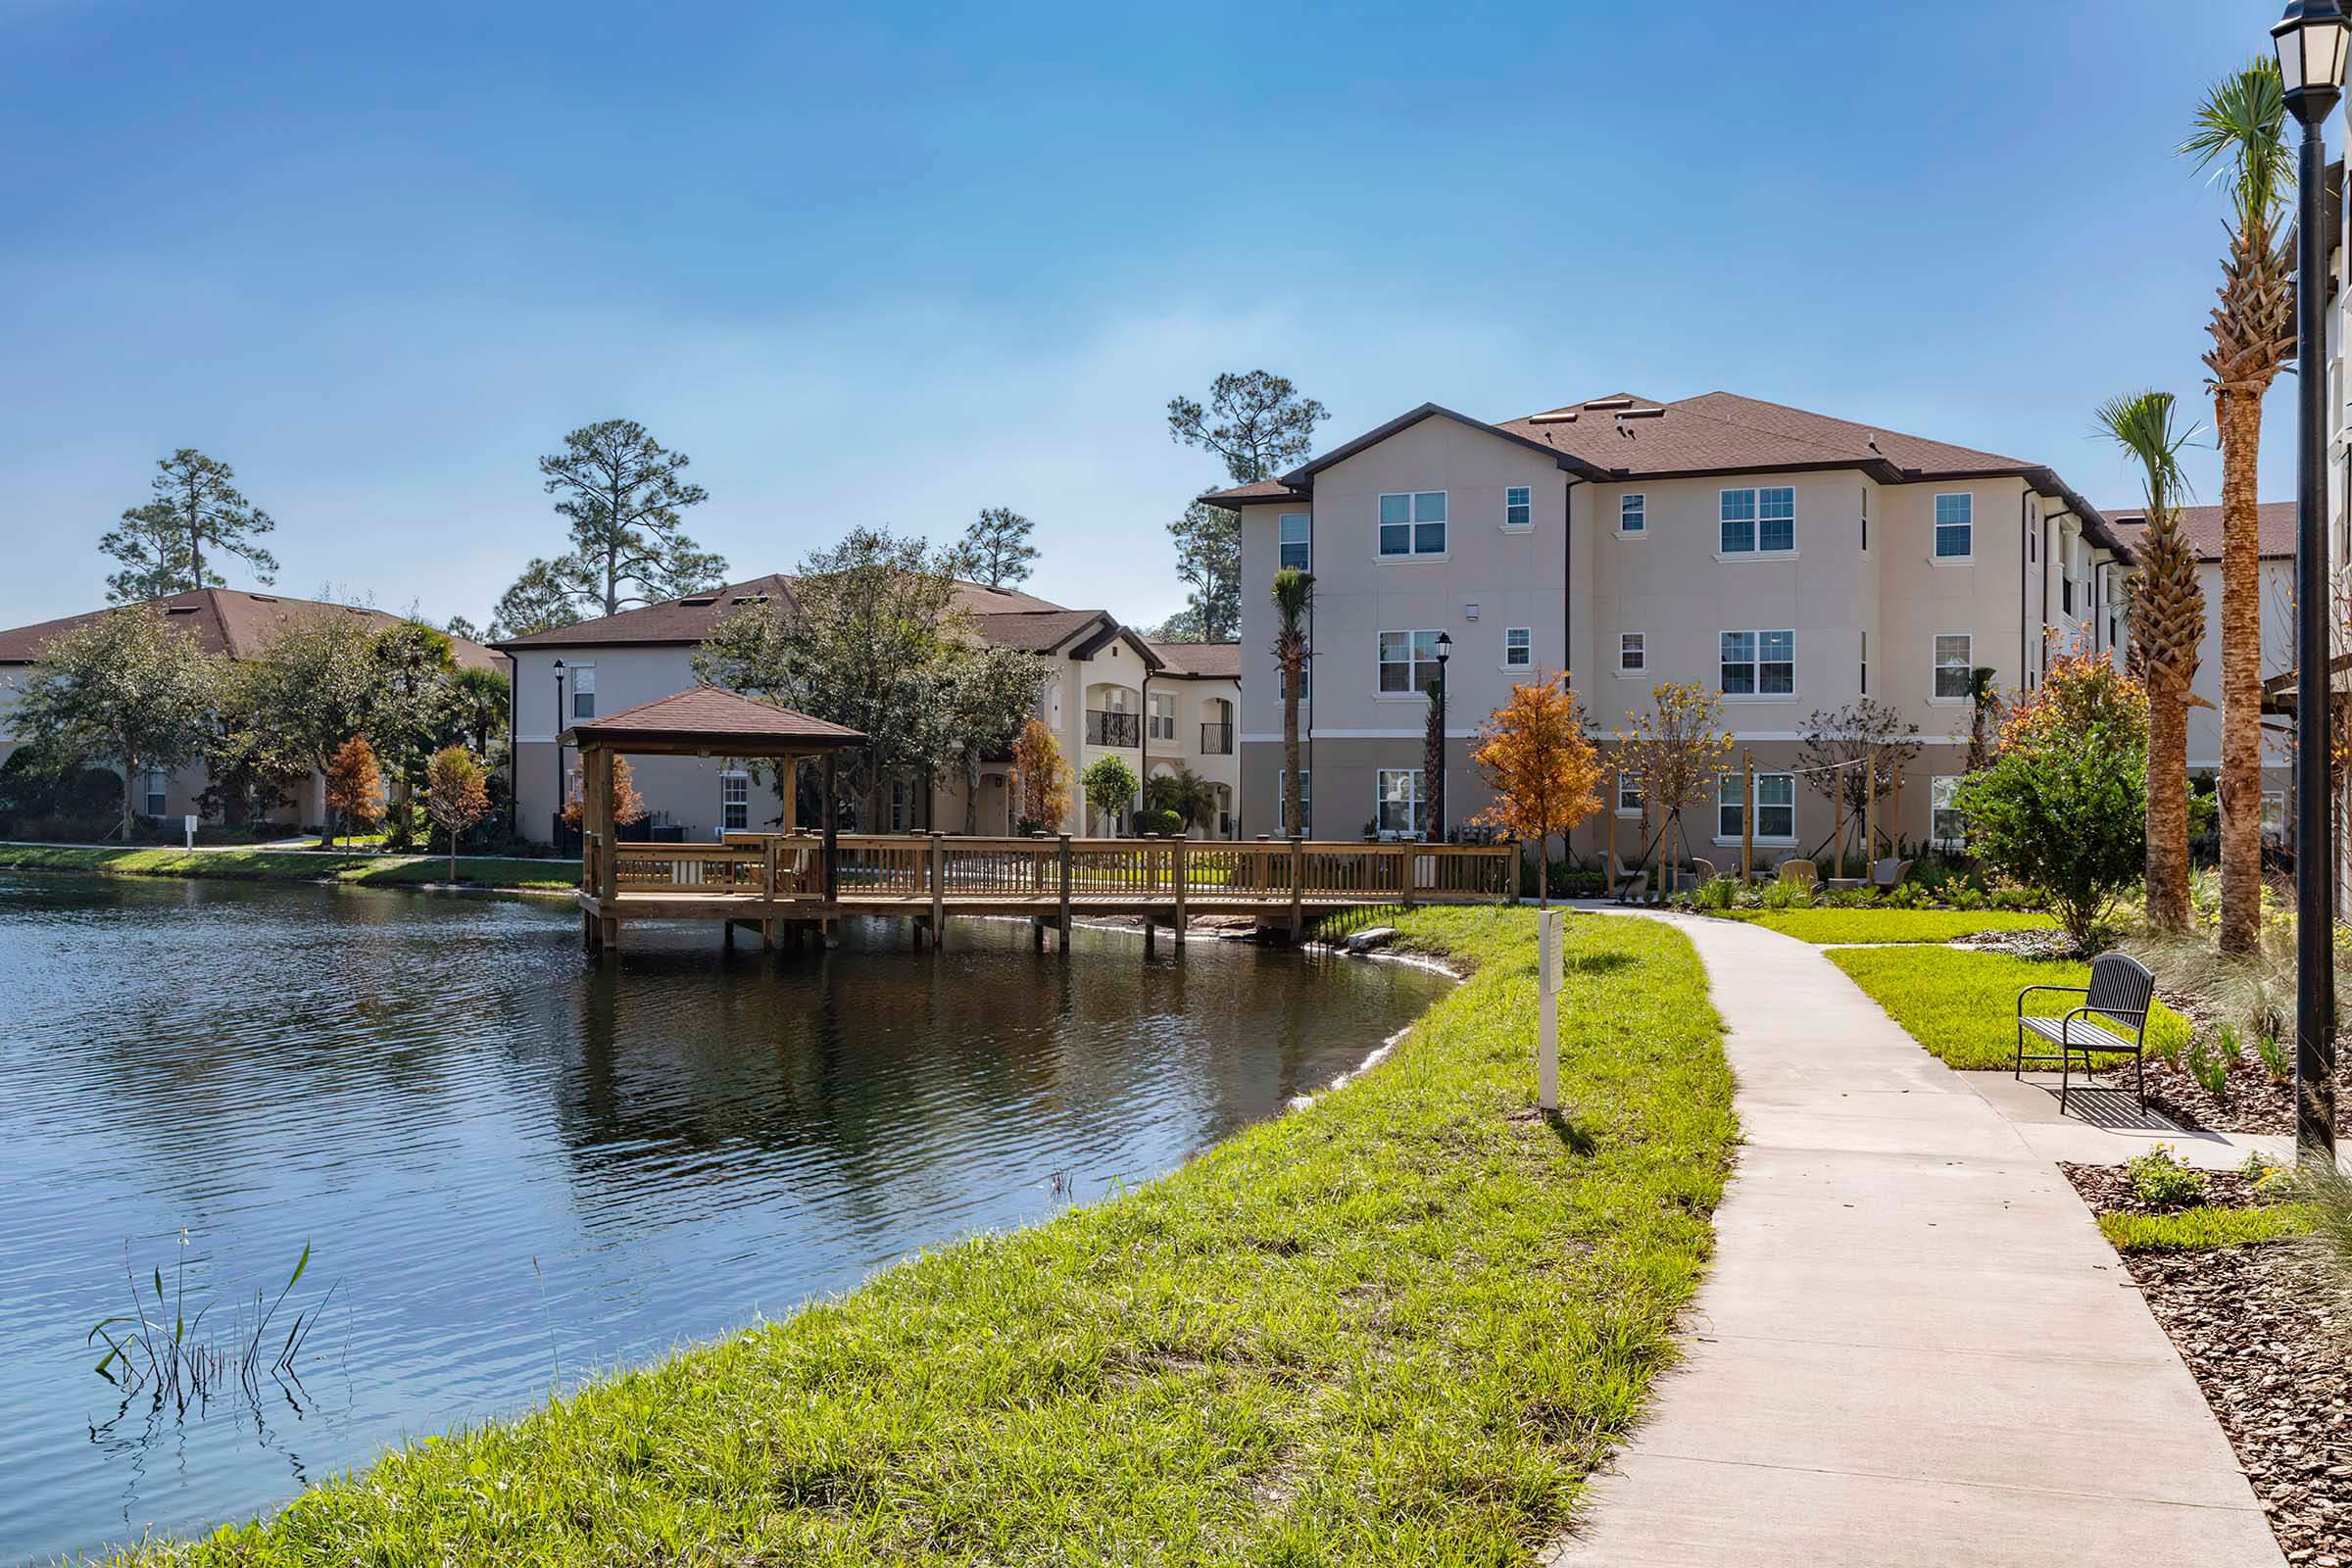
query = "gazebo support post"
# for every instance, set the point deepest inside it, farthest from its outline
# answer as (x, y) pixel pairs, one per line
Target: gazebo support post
(832, 846)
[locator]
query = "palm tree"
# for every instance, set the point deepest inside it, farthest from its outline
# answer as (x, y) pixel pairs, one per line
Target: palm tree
(2240, 138)
(2168, 621)
(1294, 599)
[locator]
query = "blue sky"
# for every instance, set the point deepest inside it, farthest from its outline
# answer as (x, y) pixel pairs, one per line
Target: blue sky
(897, 267)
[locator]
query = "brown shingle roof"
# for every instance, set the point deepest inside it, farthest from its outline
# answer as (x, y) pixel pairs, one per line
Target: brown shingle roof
(1262, 490)
(2201, 526)
(1035, 631)
(1722, 430)
(1201, 660)
(689, 619)
(719, 717)
(232, 623)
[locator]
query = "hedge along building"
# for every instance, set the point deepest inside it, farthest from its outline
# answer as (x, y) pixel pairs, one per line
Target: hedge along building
(230, 623)
(1102, 682)
(1788, 560)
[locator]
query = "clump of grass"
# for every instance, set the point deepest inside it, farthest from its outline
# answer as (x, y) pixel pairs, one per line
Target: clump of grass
(2326, 1193)
(2209, 1062)
(2163, 1180)
(2201, 1229)
(1404, 1324)
(156, 1349)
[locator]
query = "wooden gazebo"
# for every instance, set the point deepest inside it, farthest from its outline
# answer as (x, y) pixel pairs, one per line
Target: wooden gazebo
(705, 881)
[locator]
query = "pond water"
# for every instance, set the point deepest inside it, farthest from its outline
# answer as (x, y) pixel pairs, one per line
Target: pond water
(513, 1167)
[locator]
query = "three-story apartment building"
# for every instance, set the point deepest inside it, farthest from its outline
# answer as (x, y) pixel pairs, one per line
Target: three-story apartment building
(1792, 561)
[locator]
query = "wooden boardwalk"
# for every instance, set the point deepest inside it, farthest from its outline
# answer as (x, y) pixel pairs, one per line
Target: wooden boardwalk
(787, 886)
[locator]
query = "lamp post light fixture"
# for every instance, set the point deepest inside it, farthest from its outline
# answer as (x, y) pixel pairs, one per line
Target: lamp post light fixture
(557, 828)
(1436, 800)
(2311, 39)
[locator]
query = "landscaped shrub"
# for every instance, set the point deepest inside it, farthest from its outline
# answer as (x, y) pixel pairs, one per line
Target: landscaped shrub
(2209, 1065)
(2163, 1180)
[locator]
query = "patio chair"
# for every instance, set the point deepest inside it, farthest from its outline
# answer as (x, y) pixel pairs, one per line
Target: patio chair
(1626, 885)
(2121, 992)
(1887, 875)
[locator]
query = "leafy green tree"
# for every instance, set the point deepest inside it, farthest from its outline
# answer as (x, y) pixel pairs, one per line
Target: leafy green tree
(624, 494)
(995, 551)
(1259, 424)
(126, 686)
(542, 599)
(196, 507)
(2062, 807)
(1110, 785)
(413, 713)
(986, 696)
(478, 700)
(312, 686)
(867, 642)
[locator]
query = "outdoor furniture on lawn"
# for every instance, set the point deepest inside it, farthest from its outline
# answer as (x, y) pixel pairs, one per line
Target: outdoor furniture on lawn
(1626, 885)
(1887, 874)
(1800, 872)
(2121, 988)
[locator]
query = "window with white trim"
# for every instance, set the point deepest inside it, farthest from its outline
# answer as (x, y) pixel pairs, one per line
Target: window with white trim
(1629, 794)
(1865, 664)
(1163, 716)
(1954, 664)
(1633, 652)
(1306, 683)
(159, 785)
(1399, 809)
(1413, 524)
(1776, 806)
(1297, 537)
(1949, 827)
(1518, 647)
(1955, 526)
(1518, 507)
(734, 801)
(1759, 522)
(1408, 661)
(583, 691)
(1632, 514)
(1759, 664)
(1282, 794)
(1866, 519)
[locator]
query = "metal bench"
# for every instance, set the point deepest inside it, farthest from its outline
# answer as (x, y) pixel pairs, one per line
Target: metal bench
(2121, 990)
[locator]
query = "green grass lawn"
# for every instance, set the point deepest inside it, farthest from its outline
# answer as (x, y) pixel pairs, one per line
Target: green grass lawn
(2200, 1229)
(1890, 925)
(1963, 1005)
(264, 866)
(1403, 1325)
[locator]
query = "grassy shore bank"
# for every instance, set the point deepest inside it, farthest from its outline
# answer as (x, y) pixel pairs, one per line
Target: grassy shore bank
(1401, 1325)
(293, 865)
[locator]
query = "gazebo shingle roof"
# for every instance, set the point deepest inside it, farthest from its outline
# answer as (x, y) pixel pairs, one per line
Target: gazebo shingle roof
(719, 720)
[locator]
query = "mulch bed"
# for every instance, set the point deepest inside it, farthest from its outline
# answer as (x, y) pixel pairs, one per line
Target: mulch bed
(2272, 1347)
(2108, 1190)
(2255, 1104)
(2031, 941)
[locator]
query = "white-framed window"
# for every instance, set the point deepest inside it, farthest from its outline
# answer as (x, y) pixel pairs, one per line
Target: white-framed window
(1163, 716)
(158, 791)
(1297, 540)
(1776, 807)
(1629, 794)
(1866, 519)
(1413, 524)
(583, 691)
(1306, 683)
(901, 805)
(1760, 521)
(1953, 663)
(1398, 807)
(1865, 664)
(1955, 526)
(1306, 799)
(1759, 664)
(734, 801)
(1518, 647)
(1632, 514)
(1408, 661)
(1633, 653)
(1518, 507)
(1949, 827)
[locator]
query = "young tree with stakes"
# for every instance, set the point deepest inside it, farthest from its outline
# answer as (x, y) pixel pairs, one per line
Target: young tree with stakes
(1110, 785)
(2167, 612)
(1532, 753)
(196, 508)
(1675, 751)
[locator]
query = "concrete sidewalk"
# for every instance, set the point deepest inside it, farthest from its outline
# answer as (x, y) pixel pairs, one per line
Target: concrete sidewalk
(1914, 1347)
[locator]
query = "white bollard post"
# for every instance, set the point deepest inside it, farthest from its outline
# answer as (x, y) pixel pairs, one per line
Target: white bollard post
(1550, 925)
(189, 823)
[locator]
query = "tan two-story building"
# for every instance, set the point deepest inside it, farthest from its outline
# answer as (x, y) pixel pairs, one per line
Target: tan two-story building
(1790, 561)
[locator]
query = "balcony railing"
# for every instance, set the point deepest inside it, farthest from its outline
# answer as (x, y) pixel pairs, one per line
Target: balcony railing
(1104, 728)
(1216, 740)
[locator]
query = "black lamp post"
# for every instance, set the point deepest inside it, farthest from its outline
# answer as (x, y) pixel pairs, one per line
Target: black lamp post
(555, 828)
(2311, 38)
(1436, 800)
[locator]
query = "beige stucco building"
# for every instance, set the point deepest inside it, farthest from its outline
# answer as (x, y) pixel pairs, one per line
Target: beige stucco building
(1792, 561)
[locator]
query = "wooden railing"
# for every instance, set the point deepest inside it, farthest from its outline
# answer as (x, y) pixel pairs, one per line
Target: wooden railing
(1046, 871)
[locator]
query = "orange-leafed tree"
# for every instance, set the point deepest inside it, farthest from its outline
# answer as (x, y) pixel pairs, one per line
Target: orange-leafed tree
(1041, 780)
(628, 804)
(1532, 753)
(457, 794)
(355, 787)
